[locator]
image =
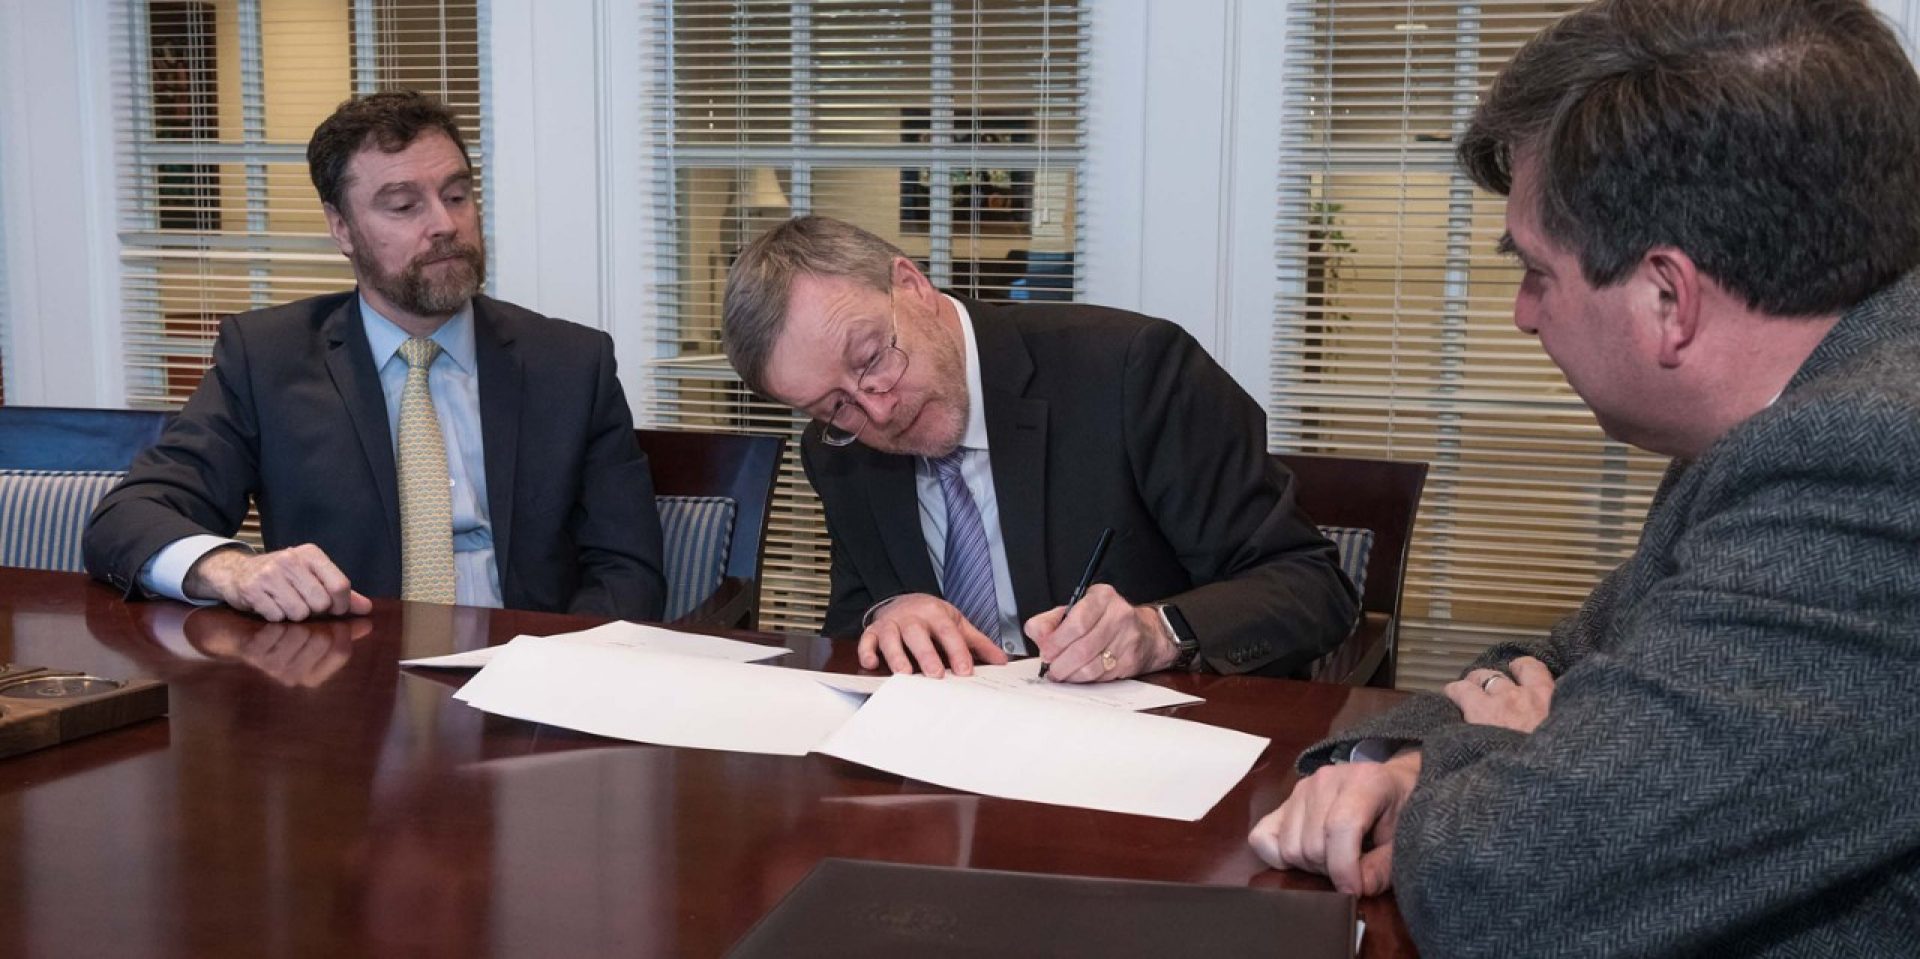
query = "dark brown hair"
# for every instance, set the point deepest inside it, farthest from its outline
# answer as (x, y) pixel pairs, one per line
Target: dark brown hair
(390, 120)
(762, 276)
(1776, 142)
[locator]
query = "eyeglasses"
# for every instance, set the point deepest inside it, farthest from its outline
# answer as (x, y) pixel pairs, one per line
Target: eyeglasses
(881, 375)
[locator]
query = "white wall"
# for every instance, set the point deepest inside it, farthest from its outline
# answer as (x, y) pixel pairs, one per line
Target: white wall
(57, 179)
(1180, 191)
(1905, 15)
(1182, 180)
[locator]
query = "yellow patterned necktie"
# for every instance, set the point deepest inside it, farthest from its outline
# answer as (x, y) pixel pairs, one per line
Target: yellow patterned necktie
(426, 494)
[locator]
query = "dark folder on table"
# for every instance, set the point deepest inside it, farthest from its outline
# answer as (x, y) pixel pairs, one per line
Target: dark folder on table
(849, 908)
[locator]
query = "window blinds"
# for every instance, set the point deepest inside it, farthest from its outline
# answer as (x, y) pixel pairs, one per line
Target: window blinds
(217, 101)
(953, 128)
(1395, 335)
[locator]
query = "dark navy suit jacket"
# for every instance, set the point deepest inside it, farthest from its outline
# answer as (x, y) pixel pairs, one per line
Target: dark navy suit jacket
(292, 414)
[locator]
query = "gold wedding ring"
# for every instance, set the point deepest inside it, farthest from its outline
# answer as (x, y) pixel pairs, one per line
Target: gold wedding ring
(1107, 661)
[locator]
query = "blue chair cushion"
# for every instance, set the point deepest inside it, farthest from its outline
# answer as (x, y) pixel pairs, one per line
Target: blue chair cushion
(44, 512)
(1355, 546)
(698, 531)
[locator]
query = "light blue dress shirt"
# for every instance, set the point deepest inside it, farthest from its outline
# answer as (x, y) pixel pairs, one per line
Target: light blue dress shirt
(454, 382)
(976, 470)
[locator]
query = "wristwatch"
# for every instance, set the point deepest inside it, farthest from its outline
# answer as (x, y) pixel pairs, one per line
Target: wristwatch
(1183, 638)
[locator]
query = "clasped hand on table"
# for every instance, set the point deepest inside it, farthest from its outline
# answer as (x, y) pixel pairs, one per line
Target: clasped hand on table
(286, 584)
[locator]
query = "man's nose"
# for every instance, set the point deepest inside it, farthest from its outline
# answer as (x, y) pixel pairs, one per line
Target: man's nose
(439, 219)
(879, 407)
(1524, 318)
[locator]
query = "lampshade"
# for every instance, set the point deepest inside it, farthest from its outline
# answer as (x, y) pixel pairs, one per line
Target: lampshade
(764, 196)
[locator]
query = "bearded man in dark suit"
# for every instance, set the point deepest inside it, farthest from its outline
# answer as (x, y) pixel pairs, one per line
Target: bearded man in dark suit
(410, 438)
(969, 457)
(1717, 205)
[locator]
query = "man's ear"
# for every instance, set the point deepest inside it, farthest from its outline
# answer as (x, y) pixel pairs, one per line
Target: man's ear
(908, 278)
(1675, 282)
(337, 225)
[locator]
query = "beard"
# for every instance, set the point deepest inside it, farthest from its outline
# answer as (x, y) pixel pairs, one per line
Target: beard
(936, 427)
(933, 430)
(458, 272)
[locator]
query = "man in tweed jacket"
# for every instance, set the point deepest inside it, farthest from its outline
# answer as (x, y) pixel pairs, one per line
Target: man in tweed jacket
(1717, 203)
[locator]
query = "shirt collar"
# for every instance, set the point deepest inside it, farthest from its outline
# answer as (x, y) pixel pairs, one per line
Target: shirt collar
(975, 438)
(455, 336)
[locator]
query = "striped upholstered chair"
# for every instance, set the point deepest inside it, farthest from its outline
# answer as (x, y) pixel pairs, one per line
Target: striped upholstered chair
(715, 492)
(55, 465)
(1367, 507)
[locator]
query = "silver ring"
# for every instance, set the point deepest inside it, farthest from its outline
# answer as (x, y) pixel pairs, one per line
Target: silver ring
(1489, 681)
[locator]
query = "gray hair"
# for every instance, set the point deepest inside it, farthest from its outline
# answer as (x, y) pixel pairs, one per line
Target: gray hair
(763, 275)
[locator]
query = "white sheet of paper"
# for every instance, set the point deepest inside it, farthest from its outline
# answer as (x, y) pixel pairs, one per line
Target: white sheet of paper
(626, 635)
(630, 693)
(1066, 753)
(1023, 676)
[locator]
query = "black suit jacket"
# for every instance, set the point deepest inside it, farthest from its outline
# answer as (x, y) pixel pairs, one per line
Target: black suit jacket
(1095, 418)
(292, 413)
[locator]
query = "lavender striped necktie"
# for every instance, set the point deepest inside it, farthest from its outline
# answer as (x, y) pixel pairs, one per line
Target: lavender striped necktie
(967, 579)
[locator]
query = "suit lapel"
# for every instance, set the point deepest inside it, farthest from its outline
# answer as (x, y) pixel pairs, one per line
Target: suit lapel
(1017, 441)
(350, 365)
(500, 392)
(895, 500)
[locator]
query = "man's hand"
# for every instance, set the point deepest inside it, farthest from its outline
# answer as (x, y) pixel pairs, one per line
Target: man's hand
(1326, 826)
(291, 654)
(918, 628)
(288, 584)
(1519, 702)
(1105, 637)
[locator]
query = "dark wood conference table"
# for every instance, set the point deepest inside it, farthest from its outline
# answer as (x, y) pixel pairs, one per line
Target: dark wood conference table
(306, 796)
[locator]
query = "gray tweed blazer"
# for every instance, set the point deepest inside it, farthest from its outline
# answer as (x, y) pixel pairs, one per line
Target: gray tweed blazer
(1732, 762)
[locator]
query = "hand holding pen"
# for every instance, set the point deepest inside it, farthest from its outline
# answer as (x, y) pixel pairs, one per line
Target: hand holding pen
(1079, 591)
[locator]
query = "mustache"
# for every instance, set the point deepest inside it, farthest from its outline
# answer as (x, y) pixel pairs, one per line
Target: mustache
(450, 250)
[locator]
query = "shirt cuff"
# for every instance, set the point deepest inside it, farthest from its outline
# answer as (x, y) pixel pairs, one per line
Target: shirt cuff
(166, 573)
(866, 619)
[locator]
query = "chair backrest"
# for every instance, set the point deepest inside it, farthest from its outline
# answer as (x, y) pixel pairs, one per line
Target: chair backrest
(695, 467)
(55, 465)
(1378, 495)
(58, 438)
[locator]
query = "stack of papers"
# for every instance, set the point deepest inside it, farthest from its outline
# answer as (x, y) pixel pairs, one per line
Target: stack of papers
(1001, 732)
(651, 697)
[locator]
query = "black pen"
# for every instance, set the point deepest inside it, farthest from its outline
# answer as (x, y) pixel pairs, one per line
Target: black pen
(1086, 579)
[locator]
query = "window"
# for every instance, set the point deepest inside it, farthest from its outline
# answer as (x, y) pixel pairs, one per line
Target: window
(218, 98)
(953, 128)
(1395, 334)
